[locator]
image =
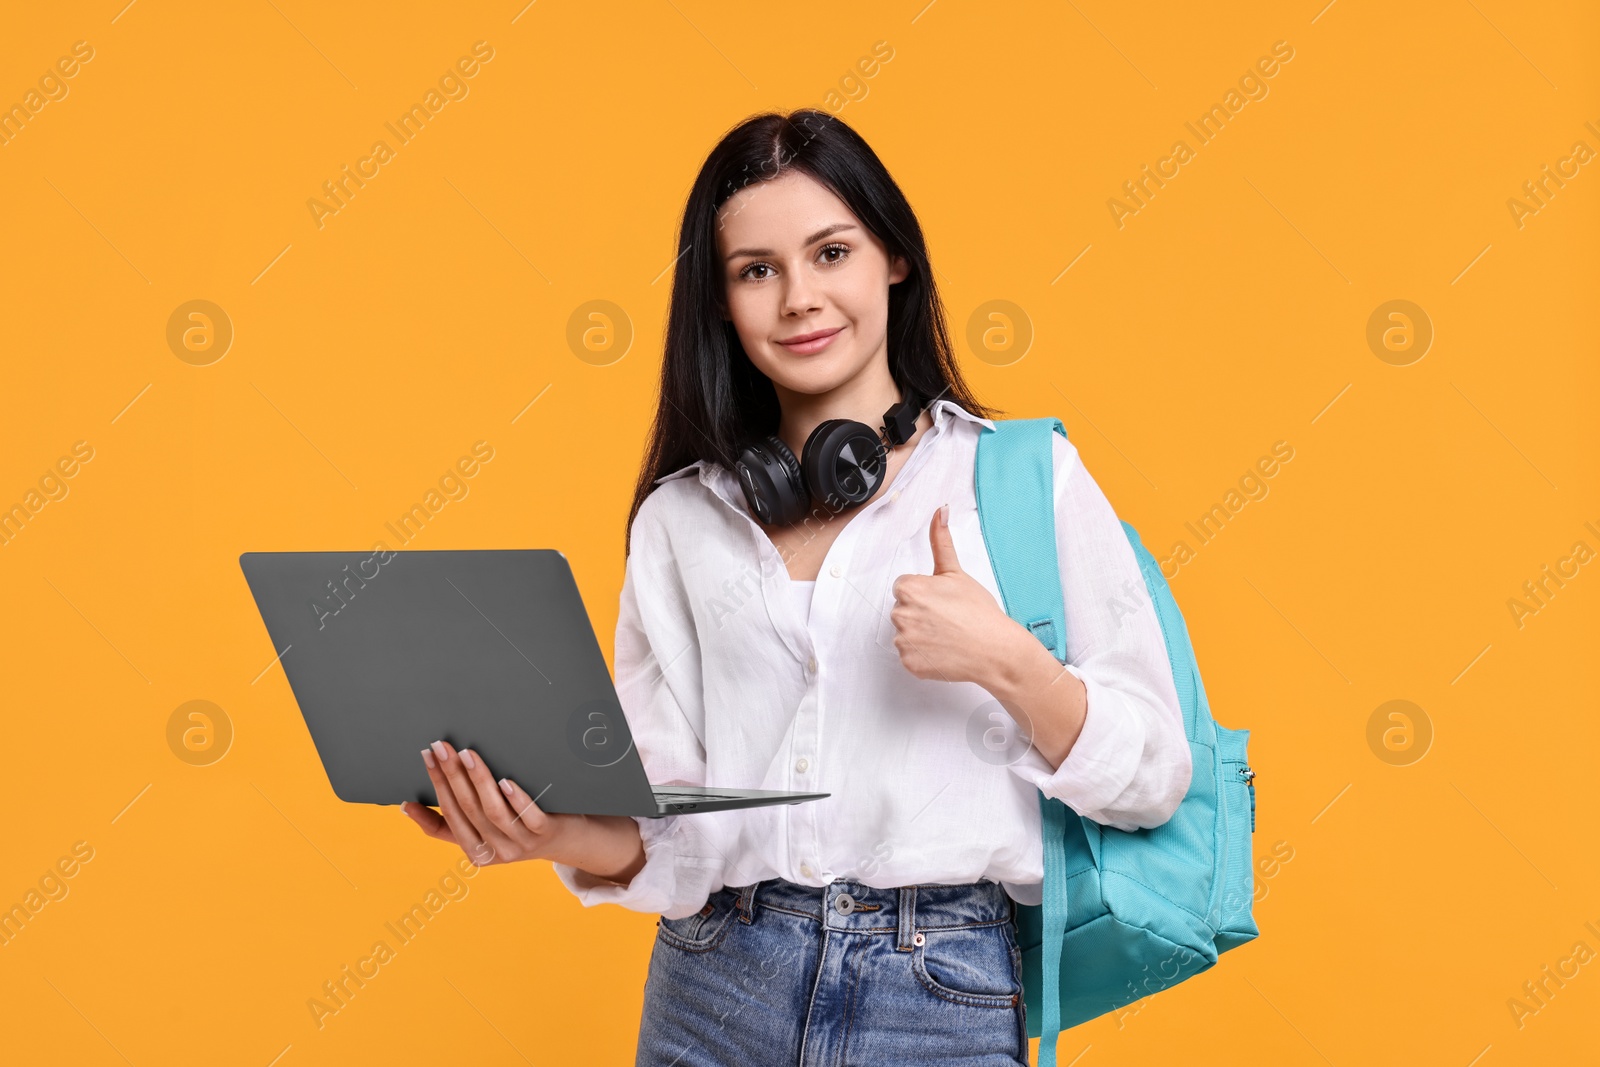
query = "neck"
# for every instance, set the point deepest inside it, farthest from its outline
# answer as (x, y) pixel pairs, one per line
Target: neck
(862, 399)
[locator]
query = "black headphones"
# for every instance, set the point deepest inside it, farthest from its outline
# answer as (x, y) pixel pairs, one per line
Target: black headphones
(843, 463)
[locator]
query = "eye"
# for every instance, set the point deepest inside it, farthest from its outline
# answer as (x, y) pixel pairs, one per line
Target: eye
(829, 254)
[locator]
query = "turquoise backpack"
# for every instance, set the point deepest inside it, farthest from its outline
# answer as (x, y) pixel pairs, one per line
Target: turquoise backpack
(1125, 913)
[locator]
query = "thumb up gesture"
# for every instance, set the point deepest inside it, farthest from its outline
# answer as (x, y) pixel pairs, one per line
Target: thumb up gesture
(947, 625)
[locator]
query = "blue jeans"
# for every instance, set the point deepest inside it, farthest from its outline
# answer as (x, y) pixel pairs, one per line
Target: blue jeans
(835, 976)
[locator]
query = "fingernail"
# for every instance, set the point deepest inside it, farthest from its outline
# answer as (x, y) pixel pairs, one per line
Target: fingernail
(438, 750)
(427, 757)
(402, 807)
(505, 786)
(944, 515)
(466, 758)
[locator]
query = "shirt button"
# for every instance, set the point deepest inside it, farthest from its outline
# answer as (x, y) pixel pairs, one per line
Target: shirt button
(801, 764)
(805, 870)
(834, 570)
(811, 665)
(895, 495)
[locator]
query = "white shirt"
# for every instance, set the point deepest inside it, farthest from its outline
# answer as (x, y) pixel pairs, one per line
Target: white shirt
(803, 592)
(725, 684)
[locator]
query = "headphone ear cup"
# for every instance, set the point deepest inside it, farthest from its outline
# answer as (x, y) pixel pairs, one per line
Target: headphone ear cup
(844, 462)
(793, 491)
(772, 483)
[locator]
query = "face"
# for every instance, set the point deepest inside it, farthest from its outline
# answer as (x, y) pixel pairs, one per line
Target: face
(798, 263)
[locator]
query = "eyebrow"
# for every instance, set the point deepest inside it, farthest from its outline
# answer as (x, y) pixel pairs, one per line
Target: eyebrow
(813, 239)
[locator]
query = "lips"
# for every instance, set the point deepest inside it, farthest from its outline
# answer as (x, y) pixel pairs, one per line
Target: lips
(806, 343)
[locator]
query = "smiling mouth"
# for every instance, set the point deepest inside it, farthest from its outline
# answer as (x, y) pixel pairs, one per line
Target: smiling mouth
(806, 343)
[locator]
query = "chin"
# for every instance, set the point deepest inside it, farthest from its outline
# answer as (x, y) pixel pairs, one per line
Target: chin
(819, 373)
(815, 384)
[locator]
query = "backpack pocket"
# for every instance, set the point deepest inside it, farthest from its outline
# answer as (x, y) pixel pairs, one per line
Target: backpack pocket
(1174, 868)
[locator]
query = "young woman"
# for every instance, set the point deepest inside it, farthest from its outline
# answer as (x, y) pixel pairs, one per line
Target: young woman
(859, 650)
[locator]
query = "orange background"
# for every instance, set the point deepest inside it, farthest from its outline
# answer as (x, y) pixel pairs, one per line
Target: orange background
(1228, 314)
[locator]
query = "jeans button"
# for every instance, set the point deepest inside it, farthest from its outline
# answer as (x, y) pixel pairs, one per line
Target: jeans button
(844, 903)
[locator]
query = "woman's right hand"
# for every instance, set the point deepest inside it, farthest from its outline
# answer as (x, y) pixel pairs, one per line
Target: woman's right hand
(499, 823)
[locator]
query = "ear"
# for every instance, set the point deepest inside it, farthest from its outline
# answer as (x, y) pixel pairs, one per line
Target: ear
(899, 270)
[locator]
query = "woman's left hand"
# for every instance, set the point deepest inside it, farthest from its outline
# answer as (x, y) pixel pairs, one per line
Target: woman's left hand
(947, 625)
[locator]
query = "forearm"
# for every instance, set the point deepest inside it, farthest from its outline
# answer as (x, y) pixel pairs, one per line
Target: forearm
(1053, 699)
(603, 848)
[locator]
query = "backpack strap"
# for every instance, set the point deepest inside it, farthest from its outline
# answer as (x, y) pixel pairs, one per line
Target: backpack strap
(1014, 482)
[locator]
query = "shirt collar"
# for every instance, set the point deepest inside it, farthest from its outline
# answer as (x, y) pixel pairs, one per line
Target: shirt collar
(942, 409)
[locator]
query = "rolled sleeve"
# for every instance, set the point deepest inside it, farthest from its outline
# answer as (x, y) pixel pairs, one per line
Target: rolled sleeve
(673, 881)
(1130, 766)
(1104, 759)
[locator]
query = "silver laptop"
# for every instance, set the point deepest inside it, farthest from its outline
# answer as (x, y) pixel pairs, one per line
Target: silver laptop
(490, 650)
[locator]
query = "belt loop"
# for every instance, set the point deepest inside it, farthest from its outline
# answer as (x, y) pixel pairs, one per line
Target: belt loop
(746, 897)
(907, 909)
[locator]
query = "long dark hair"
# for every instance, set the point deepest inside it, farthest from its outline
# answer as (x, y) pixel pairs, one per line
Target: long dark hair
(713, 397)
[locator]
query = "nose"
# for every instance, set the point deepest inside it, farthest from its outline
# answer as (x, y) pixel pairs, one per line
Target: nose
(800, 295)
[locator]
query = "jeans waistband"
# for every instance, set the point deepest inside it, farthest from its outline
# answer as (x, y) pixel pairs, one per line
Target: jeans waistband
(845, 905)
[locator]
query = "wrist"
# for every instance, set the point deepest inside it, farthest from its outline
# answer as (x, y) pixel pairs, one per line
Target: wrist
(608, 848)
(1021, 665)
(570, 841)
